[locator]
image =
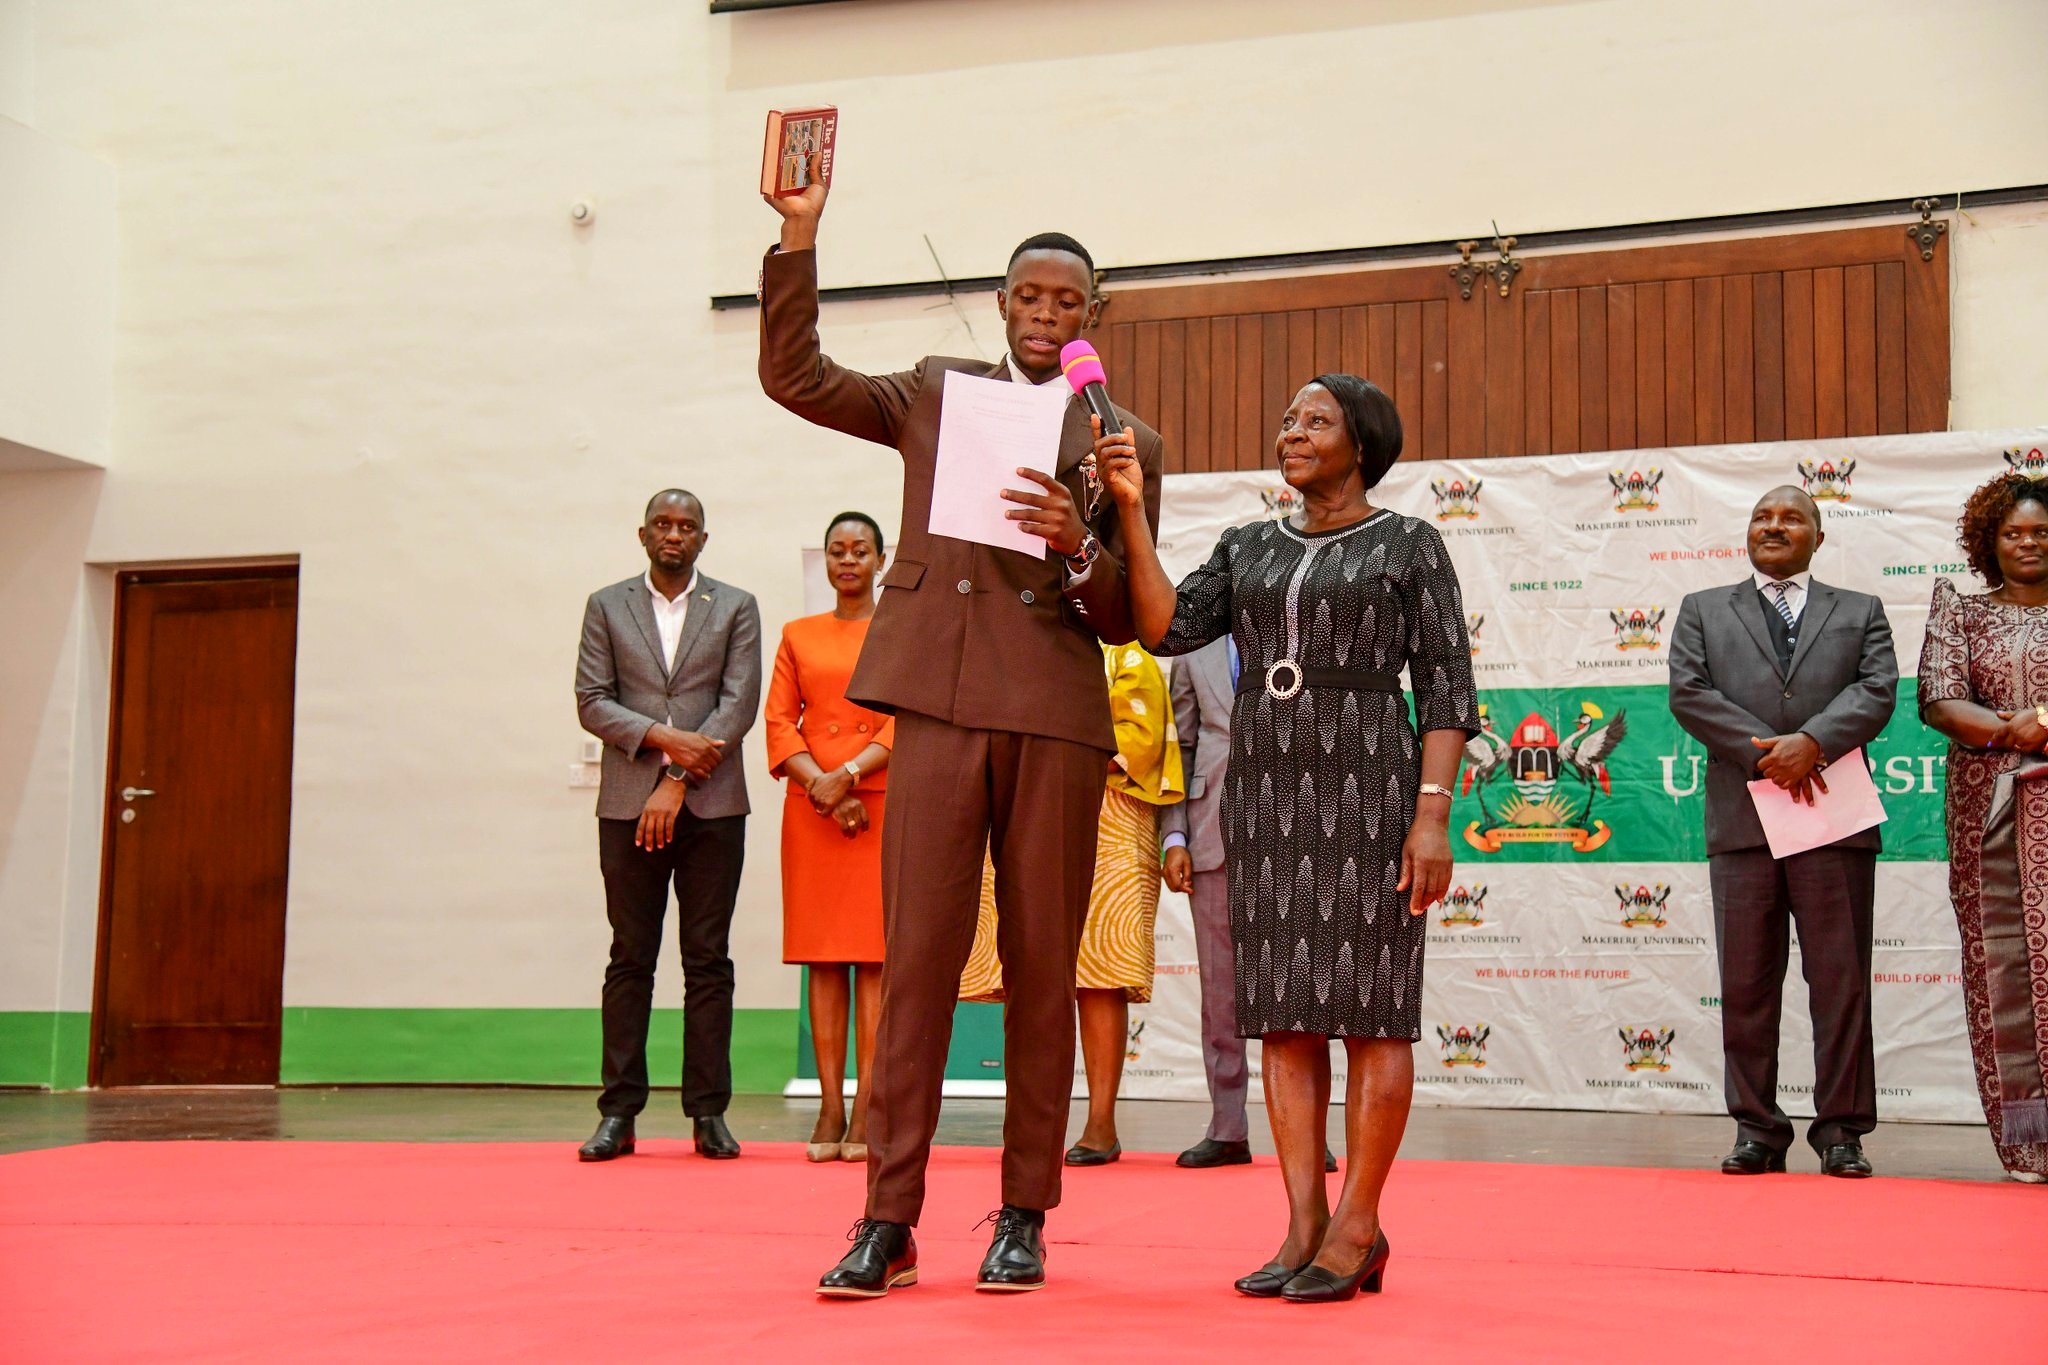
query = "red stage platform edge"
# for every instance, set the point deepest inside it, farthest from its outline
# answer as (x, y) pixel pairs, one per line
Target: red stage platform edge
(388, 1252)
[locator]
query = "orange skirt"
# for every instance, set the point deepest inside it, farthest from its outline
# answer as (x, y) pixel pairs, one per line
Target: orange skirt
(831, 885)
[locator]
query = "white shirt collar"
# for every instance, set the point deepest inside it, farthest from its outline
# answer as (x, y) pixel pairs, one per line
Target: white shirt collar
(1799, 581)
(1017, 376)
(662, 601)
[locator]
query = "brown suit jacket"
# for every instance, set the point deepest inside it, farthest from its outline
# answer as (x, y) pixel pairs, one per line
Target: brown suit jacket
(980, 637)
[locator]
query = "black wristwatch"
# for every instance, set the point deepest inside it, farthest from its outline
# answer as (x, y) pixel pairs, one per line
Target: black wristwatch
(1084, 553)
(676, 772)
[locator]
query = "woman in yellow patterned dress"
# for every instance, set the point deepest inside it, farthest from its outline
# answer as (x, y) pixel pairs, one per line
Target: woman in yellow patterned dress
(1115, 968)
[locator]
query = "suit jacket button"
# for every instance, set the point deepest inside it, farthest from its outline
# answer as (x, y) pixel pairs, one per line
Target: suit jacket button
(1026, 596)
(1787, 696)
(862, 727)
(964, 586)
(832, 729)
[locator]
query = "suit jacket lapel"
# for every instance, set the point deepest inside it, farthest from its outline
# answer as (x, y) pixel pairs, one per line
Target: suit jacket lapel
(1820, 604)
(694, 620)
(643, 616)
(1749, 609)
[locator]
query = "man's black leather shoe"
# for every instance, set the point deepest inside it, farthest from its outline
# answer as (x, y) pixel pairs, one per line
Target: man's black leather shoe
(614, 1137)
(714, 1139)
(1845, 1159)
(1016, 1255)
(1209, 1152)
(1752, 1158)
(884, 1257)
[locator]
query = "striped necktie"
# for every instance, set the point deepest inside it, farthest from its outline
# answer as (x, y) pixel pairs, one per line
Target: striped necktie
(1780, 591)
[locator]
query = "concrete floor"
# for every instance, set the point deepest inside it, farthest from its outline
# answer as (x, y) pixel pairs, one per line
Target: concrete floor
(33, 1119)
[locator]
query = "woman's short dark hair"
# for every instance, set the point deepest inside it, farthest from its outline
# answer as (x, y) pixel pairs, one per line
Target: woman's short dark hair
(874, 528)
(1985, 510)
(1372, 420)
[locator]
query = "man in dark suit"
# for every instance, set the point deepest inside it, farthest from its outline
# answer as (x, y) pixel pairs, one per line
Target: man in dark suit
(1779, 675)
(989, 660)
(669, 677)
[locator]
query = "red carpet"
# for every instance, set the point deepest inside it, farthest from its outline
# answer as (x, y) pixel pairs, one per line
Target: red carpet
(387, 1252)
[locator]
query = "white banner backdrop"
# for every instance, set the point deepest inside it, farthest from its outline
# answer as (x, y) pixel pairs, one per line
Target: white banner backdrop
(1578, 972)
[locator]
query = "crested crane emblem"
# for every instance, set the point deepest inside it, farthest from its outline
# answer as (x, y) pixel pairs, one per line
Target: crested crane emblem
(1636, 490)
(1461, 906)
(1647, 1048)
(1826, 481)
(1643, 907)
(1638, 627)
(2031, 461)
(1456, 500)
(1463, 1044)
(1539, 787)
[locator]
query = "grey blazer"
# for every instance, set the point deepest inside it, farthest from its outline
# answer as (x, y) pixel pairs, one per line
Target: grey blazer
(1202, 698)
(622, 690)
(1726, 688)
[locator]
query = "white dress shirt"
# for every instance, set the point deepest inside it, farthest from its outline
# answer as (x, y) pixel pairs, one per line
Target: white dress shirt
(1795, 596)
(669, 616)
(1018, 376)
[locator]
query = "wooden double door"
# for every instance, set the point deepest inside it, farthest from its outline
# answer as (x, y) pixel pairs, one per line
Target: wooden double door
(190, 969)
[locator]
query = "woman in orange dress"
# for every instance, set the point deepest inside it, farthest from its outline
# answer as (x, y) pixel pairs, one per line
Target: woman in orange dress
(834, 755)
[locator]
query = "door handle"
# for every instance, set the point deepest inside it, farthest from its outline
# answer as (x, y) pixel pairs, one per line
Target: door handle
(130, 793)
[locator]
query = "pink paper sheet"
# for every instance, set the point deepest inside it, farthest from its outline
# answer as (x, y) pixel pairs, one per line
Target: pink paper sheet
(1849, 806)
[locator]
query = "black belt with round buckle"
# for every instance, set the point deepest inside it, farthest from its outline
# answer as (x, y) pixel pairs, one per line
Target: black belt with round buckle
(1284, 678)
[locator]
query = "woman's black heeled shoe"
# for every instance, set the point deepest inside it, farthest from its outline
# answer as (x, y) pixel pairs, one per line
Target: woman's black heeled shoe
(1317, 1285)
(1267, 1281)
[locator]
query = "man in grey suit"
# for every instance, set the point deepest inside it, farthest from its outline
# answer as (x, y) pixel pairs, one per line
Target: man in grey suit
(1778, 676)
(669, 677)
(1203, 687)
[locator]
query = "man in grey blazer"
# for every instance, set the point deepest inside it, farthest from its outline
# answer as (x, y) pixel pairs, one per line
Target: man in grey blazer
(1778, 676)
(669, 677)
(1203, 687)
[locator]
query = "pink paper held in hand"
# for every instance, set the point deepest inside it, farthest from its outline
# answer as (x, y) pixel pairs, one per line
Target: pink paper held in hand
(1849, 806)
(1081, 366)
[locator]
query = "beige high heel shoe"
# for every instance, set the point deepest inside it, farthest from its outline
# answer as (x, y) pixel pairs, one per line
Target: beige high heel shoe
(825, 1151)
(853, 1151)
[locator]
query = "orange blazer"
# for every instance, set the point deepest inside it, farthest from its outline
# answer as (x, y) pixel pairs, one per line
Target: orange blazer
(807, 708)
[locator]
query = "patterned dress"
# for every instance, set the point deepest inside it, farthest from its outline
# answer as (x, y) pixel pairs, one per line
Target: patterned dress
(1116, 950)
(1321, 787)
(1995, 654)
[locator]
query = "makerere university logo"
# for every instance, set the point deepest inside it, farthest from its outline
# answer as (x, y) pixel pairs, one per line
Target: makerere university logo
(1646, 1047)
(1473, 621)
(1638, 627)
(1538, 787)
(1463, 1044)
(2031, 462)
(1281, 503)
(1456, 500)
(1826, 481)
(1636, 490)
(1643, 908)
(1461, 907)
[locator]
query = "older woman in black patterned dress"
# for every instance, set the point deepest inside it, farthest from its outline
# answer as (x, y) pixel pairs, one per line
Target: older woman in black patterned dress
(1336, 815)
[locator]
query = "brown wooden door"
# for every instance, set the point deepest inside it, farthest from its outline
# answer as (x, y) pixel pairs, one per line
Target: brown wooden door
(1798, 335)
(190, 982)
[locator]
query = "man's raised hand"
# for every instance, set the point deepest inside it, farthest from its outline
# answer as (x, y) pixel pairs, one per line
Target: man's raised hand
(800, 212)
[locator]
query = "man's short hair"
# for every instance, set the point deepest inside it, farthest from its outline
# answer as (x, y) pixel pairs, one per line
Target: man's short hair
(1052, 241)
(695, 502)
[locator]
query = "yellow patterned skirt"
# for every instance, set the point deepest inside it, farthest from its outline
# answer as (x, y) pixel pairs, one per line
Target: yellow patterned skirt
(1116, 943)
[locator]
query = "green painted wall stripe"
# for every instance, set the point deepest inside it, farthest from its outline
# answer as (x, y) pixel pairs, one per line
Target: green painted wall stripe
(511, 1047)
(411, 1047)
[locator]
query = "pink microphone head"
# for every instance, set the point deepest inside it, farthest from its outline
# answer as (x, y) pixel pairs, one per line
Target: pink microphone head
(1081, 366)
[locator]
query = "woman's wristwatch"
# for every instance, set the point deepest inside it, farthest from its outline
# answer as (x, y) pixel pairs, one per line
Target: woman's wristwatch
(676, 772)
(852, 766)
(1433, 789)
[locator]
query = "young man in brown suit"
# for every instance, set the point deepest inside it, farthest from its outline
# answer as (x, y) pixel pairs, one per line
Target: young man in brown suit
(988, 659)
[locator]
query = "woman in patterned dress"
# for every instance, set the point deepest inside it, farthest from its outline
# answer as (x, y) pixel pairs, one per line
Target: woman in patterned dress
(1114, 971)
(1336, 817)
(1984, 684)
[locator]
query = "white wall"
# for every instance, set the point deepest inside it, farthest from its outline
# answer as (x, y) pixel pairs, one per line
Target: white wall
(56, 299)
(356, 324)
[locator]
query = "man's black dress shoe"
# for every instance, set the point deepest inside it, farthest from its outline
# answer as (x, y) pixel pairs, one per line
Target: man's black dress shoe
(1845, 1159)
(1016, 1254)
(614, 1137)
(714, 1139)
(1077, 1155)
(1752, 1158)
(884, 1257)
(1329, 1161)
(1315, 1284)
(1209, 1152)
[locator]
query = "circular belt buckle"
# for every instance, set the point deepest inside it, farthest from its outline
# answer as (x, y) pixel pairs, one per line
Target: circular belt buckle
(1282, 691)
